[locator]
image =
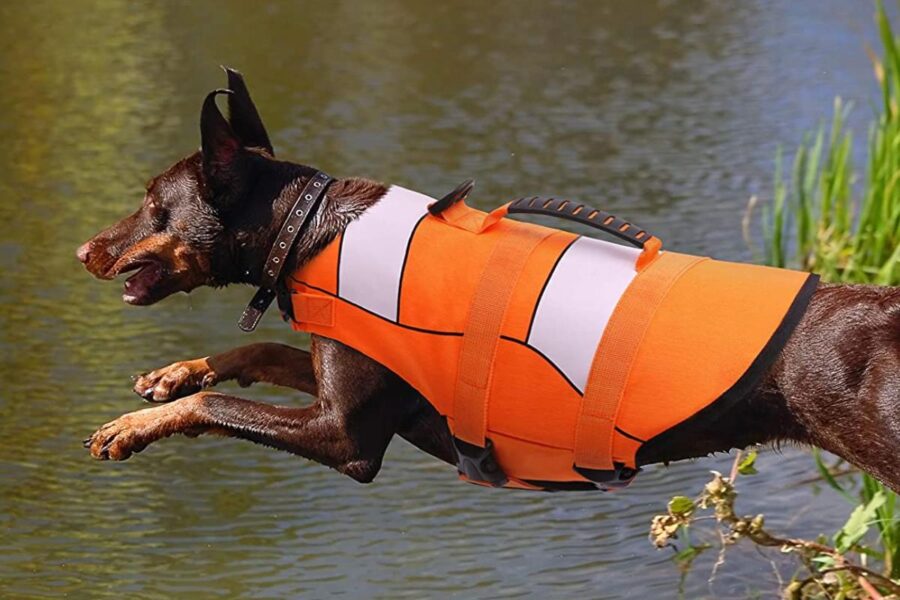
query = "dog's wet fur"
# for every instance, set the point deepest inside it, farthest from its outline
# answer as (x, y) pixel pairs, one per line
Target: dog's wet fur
(210, 219)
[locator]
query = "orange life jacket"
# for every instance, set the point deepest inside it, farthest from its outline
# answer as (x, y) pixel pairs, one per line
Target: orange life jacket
(553, 356)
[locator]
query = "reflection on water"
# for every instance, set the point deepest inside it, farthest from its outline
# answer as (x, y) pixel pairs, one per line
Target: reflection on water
(665, 113)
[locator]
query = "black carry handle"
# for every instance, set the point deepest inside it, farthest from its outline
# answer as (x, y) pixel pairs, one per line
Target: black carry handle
(582, 213)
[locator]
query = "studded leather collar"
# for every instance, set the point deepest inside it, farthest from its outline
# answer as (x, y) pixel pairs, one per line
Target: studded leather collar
(297, 220)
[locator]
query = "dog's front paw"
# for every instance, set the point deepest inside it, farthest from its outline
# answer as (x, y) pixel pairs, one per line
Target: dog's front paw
(175, 381)
(130, 433)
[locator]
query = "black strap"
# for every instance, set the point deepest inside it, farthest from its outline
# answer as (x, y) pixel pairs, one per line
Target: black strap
(575, 211)
(295, 223)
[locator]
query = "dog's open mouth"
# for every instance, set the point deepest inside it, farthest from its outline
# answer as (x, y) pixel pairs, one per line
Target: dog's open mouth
(139, 288)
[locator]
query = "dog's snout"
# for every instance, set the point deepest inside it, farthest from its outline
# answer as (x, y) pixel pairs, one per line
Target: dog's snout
(84, 252)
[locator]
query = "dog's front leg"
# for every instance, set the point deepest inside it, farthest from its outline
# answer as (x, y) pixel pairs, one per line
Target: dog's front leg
(277, 364)
(360, 406)
(314, 432)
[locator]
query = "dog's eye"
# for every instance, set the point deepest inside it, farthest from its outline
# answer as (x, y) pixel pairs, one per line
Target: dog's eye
(156, 211)
(152, 203)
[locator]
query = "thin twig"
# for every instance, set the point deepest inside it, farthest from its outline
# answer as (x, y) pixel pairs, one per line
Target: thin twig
(734, 466)
(869, 588)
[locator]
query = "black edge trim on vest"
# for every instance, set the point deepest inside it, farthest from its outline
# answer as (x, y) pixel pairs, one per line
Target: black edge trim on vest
(412, 234)
(629, 436)
(544, 356)
(748, 380)
(562, 486)
(544, 287)
(365, 310)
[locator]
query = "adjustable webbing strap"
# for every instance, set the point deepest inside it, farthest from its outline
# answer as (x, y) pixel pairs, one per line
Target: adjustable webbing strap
(613, 361)
(481, 334)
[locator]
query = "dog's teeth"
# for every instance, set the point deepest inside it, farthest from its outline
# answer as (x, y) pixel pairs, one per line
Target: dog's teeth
(127, 284)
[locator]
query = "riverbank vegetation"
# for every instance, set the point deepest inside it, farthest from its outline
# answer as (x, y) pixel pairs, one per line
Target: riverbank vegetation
(825, 218)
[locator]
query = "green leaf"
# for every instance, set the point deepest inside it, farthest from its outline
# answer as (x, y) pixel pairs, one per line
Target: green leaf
(824, 561)
(688, 554)
(685, 557)
(748, 465)
(681, 506)
(858, 523)
(829, 478)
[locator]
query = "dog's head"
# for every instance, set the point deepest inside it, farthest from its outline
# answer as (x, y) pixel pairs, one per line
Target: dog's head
(180, 237)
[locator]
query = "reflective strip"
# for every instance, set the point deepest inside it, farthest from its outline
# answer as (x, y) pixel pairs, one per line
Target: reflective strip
(577, 302)
(373, 251)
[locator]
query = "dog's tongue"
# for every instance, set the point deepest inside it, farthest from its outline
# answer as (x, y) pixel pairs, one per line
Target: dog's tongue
(139, 285)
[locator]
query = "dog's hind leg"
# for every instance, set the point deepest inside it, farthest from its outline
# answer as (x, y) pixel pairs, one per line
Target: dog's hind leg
(277, 364)
(840, 374)
(427, 430)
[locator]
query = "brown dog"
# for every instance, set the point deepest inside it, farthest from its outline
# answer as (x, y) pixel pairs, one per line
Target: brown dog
(211, 219)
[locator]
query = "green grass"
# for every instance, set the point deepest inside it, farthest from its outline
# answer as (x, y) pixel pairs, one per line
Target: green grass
(822, 219)
(814, 222)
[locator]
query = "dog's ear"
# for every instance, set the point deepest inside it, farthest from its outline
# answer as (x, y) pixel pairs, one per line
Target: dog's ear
(219, 145)
(245, 120)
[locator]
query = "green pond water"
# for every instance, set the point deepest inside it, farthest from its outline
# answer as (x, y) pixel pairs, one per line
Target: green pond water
(665, 113)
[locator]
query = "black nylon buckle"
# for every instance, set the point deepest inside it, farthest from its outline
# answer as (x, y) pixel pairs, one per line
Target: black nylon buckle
(478, 464)
(618, 477)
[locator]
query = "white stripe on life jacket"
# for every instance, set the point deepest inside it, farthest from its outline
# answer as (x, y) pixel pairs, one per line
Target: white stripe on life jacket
(577, 302)
(373, 251)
